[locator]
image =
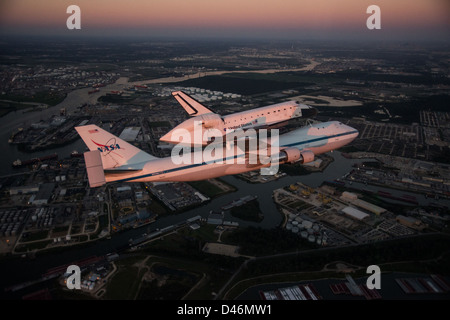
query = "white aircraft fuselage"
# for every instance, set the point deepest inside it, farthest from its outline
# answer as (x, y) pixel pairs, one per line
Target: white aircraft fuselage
(122, 162)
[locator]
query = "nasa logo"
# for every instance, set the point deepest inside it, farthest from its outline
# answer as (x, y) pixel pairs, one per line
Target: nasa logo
(108, 147)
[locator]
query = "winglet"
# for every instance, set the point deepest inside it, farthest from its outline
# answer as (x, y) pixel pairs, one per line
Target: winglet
(192, 106)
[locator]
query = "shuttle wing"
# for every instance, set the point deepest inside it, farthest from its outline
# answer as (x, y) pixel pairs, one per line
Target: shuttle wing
(192, 106)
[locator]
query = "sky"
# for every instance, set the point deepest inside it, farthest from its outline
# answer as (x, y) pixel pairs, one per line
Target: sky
(284, 19)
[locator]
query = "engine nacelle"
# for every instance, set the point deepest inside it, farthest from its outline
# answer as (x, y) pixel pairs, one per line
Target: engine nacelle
(210, 120)
(292, 155)
(307, 156)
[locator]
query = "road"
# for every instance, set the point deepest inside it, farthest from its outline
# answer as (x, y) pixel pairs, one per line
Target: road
(298, 253)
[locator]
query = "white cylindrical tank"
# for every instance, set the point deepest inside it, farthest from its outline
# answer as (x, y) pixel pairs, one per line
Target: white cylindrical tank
(288, 226)
(311, 238)
(304, 234)
(295, 230)
(306, 224)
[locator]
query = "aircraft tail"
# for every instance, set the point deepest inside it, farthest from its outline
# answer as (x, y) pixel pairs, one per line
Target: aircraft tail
(192, 106)
(115, 153)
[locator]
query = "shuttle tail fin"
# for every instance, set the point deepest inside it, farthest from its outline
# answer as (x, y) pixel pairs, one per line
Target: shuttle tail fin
(114, 152)
(192, 106)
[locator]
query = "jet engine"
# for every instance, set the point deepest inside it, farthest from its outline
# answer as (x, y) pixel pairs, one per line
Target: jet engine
(293, 155)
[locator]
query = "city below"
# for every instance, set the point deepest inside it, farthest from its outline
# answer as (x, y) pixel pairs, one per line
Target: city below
(309, 232)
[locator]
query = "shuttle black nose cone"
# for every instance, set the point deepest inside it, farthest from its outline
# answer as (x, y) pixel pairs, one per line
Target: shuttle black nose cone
(309, 113)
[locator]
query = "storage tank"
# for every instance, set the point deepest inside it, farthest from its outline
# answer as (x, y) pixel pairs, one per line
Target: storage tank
(316, 227)
(319, 240)
(288, 226)
(311, 238)
(298, 219)
(304, 234)
(295, 230)
(306, 224)
(295, 223)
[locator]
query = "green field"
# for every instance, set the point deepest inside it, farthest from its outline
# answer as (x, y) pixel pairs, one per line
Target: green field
(45, 97)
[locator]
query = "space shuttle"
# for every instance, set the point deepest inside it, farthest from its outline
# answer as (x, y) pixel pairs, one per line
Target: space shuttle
(268, 117)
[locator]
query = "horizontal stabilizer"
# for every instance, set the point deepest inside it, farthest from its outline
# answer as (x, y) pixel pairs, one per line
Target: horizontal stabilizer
(94, 168)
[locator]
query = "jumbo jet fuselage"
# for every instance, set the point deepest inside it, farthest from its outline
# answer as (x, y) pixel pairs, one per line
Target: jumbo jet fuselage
(300, 145)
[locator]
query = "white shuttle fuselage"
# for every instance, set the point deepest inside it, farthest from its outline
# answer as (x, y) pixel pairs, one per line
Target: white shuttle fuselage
(271, 116)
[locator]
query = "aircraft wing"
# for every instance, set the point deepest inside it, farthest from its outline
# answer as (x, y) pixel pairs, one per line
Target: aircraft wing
(192, 106)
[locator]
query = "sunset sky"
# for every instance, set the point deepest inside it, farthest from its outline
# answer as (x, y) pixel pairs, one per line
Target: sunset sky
(230, 18)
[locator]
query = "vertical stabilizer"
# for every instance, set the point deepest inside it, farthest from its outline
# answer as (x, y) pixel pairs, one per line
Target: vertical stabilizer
(192, 106)
(114, 152)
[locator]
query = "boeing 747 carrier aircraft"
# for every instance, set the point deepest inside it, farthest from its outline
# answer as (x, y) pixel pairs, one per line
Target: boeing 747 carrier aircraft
(112, 159)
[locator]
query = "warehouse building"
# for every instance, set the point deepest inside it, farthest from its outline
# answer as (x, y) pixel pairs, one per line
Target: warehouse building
(355, 213)
(130, 133)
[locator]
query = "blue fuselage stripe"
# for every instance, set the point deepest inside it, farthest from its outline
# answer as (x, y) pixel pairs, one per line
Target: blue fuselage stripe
(225, 159)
